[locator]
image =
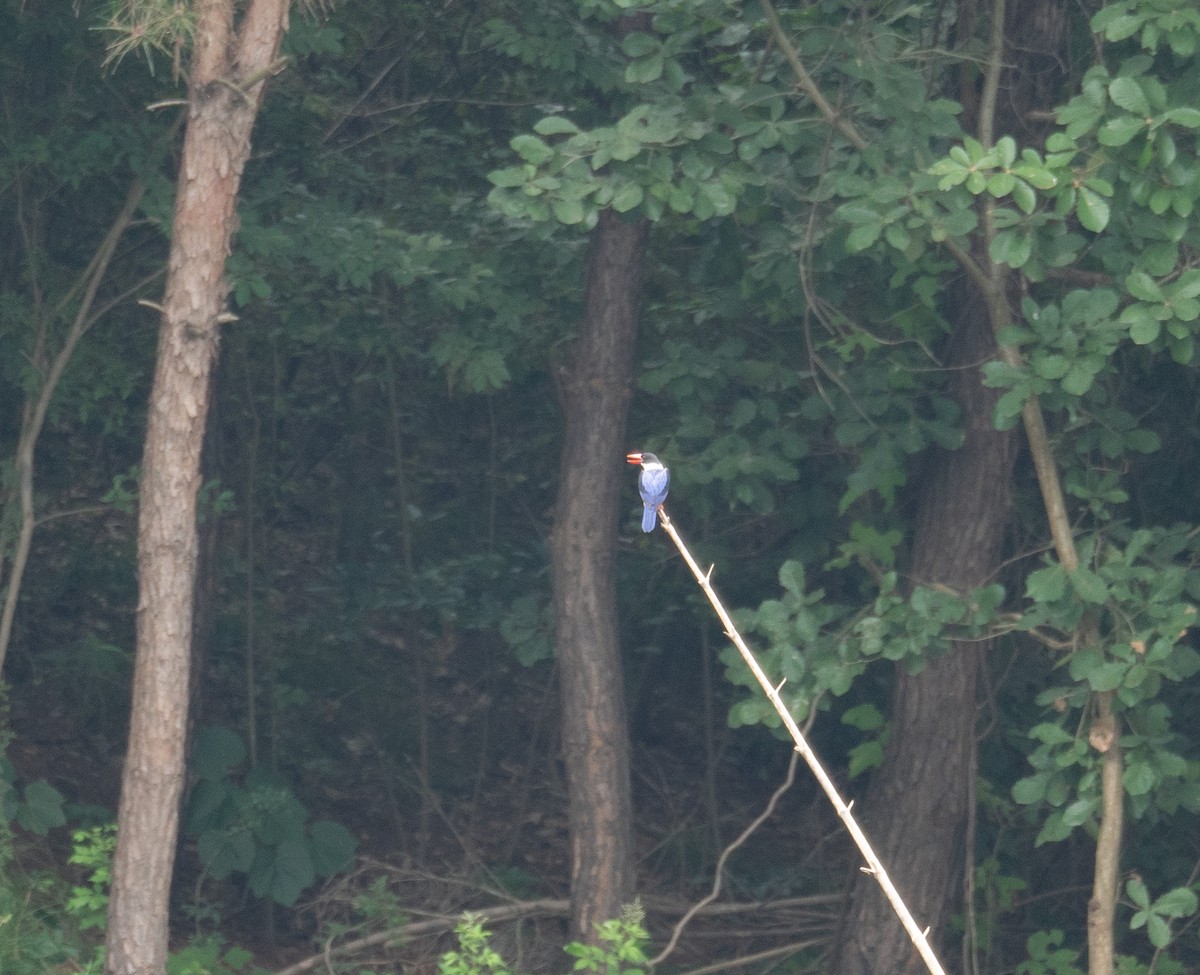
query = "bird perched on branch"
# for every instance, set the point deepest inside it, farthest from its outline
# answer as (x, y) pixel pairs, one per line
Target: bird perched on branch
(652, 486)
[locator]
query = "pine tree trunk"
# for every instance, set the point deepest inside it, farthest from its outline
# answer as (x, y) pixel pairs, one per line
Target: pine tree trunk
(226, 86)
(595, 733)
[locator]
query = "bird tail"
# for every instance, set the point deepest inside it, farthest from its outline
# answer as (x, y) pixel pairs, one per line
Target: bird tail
(649, 517)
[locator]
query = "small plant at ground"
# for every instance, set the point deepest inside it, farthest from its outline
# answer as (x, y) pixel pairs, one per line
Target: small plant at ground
(622, 950)
(93, 849)
(253, 824)
(208, 956)
(475, 954)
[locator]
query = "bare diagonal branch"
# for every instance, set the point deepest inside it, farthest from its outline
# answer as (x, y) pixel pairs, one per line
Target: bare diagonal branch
(874, 866)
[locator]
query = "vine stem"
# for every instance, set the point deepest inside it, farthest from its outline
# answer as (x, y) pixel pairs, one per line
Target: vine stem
(874, 867)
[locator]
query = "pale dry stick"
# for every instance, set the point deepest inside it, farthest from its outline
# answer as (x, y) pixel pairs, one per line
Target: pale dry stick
(874, 865)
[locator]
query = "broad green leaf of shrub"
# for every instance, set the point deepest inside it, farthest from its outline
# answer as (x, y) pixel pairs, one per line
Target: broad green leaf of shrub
(333, 847)
(42, 808)
(283, 872)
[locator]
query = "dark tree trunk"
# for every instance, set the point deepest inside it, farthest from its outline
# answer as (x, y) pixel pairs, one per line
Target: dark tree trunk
(916, 811)
(596, 399)
(227, 75)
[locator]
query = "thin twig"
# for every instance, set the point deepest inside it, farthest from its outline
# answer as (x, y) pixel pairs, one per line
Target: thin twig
(722, 860)
(874, 866)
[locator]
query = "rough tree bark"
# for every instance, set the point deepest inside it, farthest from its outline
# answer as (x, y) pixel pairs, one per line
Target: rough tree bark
(916, 811)
(228, 71)
(596, 398)
(917, 808)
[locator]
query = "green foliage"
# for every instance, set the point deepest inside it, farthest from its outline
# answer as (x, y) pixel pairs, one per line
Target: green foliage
(528, 629)
(387, 415)
(36, 935)
(1156, 916)
(621, 948)
(1145, 602)
(821, 648)
(475, 955)
(92, 849)
(1047, 956)
(256, 826)
(37, 806)
(868, 754)
(208, 956)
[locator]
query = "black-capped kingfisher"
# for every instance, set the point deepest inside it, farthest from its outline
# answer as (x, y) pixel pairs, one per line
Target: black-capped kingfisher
(653, 482)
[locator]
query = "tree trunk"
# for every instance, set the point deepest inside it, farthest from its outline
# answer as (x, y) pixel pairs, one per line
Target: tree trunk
(595, 734)
(916, 811)
(226, 86)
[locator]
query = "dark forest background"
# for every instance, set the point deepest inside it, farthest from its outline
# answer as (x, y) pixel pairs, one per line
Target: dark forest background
(879, 238)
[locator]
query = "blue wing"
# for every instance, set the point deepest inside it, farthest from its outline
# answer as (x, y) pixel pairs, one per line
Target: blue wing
(653, 485)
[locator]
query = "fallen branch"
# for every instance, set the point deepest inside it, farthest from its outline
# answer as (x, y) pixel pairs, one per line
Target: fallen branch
(800, 909)
(715, 892)
(437, 925)
(874, 866)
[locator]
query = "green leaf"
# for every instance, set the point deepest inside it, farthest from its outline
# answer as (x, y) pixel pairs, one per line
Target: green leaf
(1158, 931)
(510, 176)
(217, 750)
(283, 873)
(556, 125)
(1119, 25)
(863, 236)
(568, 212)
(865, 756)
(1080, 376)
(1046, 585)
(485, 371)
(1180, 902)
(332, 847)
(864, 717)
(627, 197)
(1128, 94)
(1011, 247)
(224, 851)
(1138, 778)
(1001, 184)
(1050, 366)
(1024, 196)
(1187, 117)
(1107, 676)
(644, 70)
(1136, 889)
(531, 149)
(1144, 328)
(1089, 586)
(1029, 790)
(1118, 131)
(638, 44)
(42, 808)
(1006, 150)
(1078, 812)
(1092, 210)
